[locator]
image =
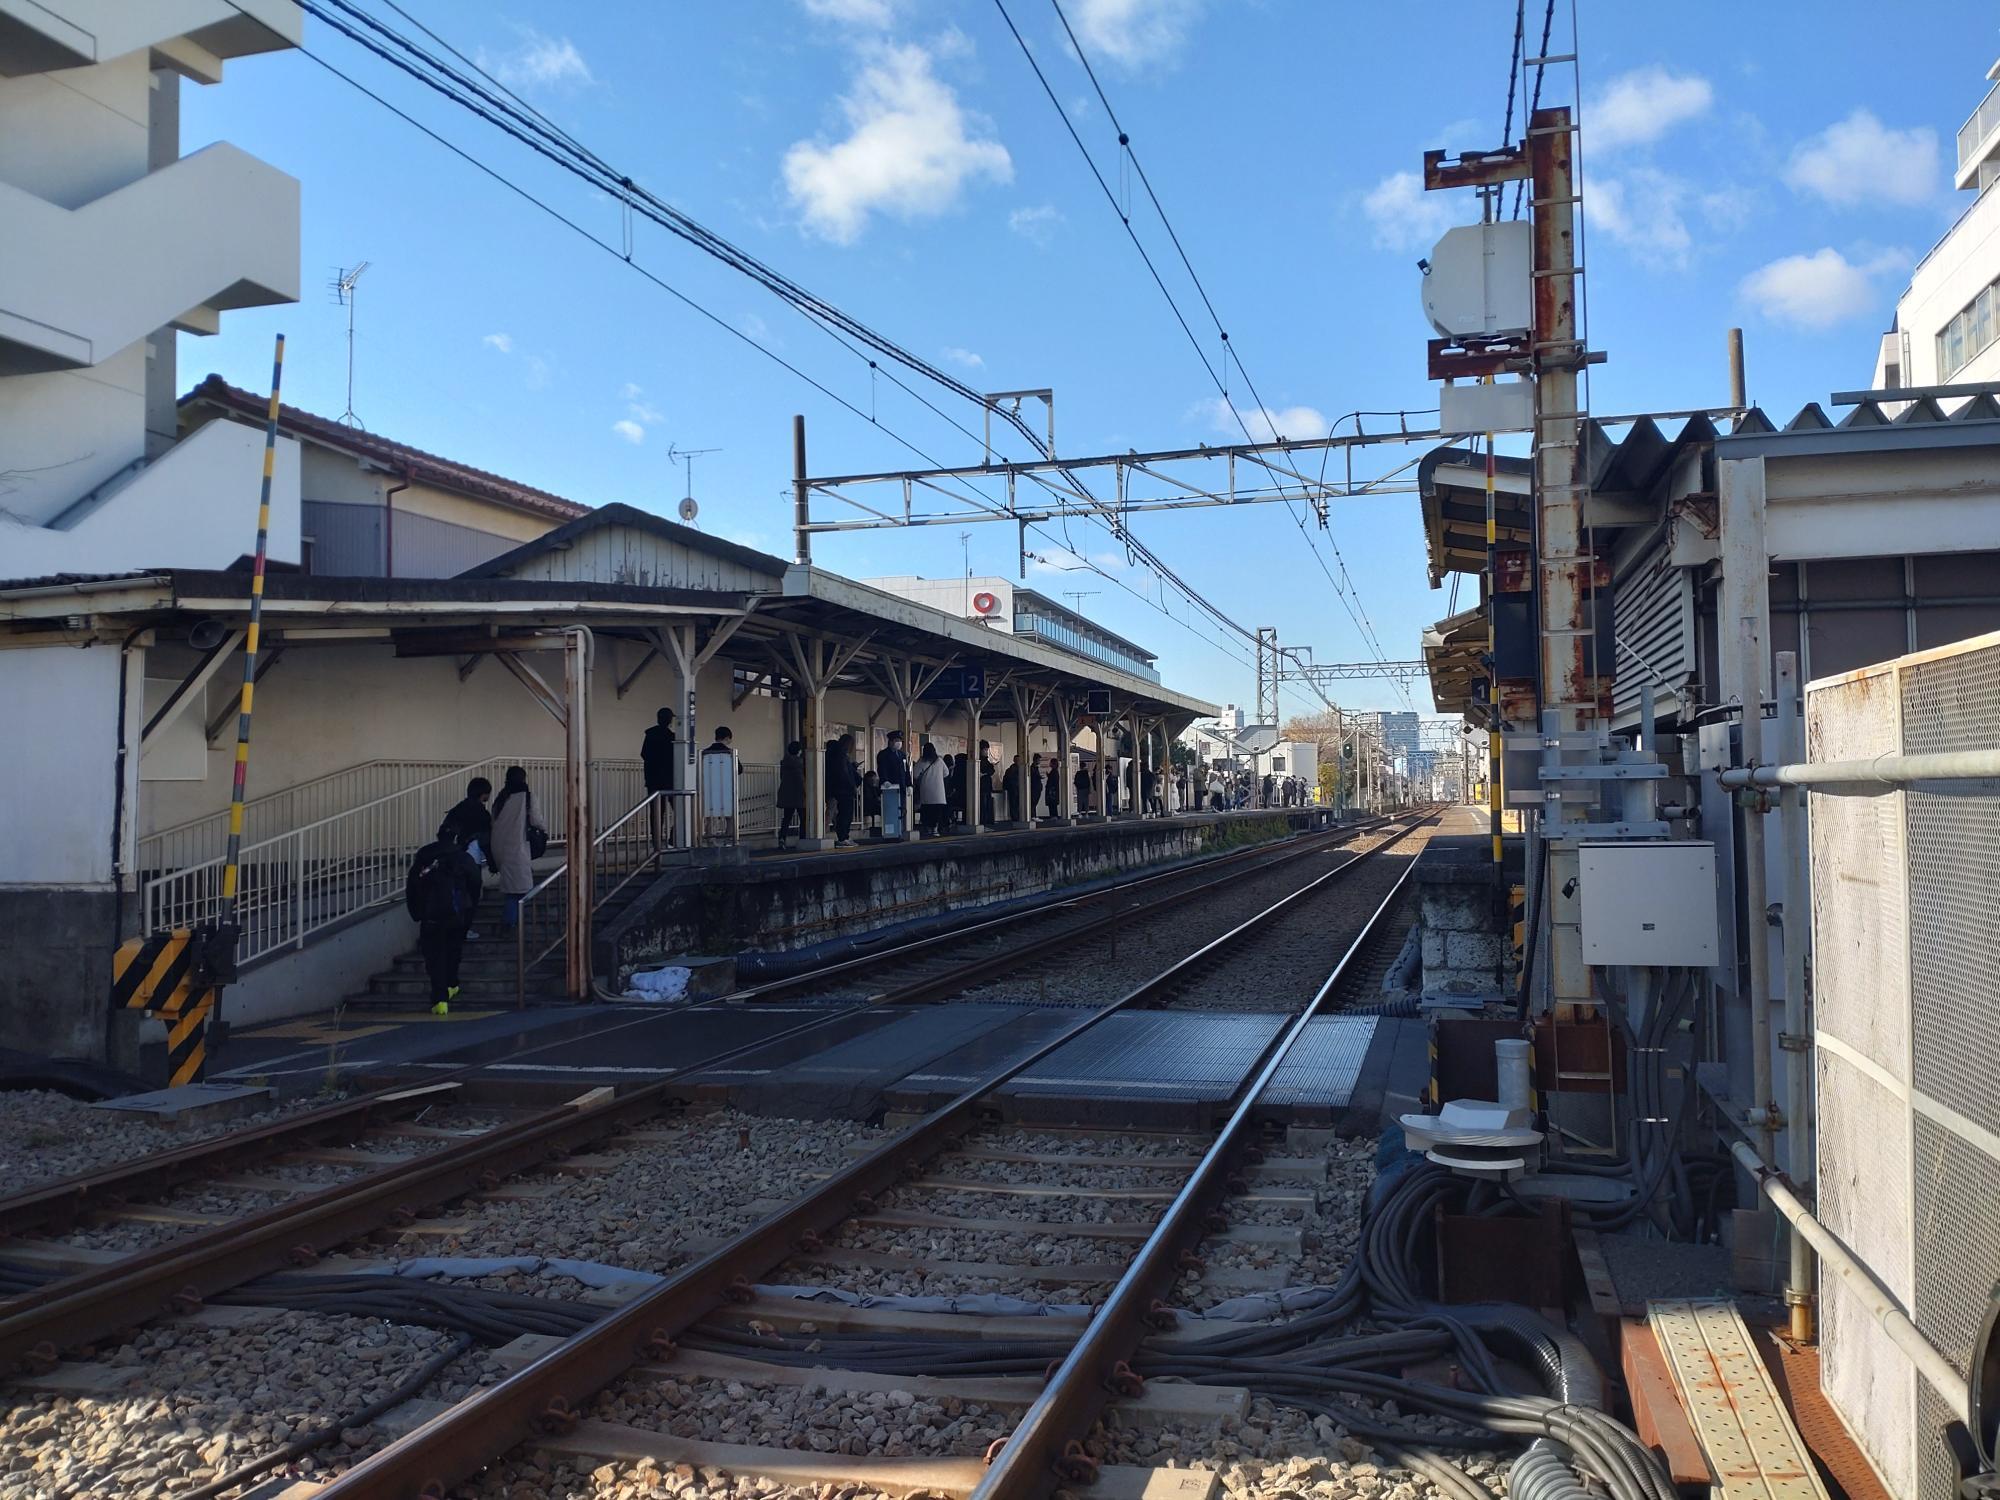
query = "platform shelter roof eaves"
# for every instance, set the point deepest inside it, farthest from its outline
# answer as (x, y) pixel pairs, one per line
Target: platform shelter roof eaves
(1454, 651)
(604, 517)
(414, 463)
(1869, 427)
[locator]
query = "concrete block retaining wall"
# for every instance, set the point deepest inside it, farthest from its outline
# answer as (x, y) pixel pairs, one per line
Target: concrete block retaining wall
(817, 900)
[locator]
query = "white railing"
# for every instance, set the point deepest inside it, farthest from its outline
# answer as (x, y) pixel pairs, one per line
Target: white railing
(1978, 126)
(303, 879)
(756, 799)
(632, 846)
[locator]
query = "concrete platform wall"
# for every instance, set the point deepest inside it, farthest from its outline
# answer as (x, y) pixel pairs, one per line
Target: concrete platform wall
(797, 906)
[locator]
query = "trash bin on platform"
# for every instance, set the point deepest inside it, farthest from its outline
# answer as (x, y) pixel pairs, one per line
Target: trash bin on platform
(892, 811)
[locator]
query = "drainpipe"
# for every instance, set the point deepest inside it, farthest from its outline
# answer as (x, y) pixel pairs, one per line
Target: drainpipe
(1796, 1039)
(118, 789)
(1761, 1115)
(389, 524)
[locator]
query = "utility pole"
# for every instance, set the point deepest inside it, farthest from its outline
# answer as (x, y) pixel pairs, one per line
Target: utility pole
(802, 546)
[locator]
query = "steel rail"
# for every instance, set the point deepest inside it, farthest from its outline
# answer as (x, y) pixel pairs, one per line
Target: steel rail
(548, 1394)
(60, 1204)
(1046, 1447)
(175, 1276)
(917, 947)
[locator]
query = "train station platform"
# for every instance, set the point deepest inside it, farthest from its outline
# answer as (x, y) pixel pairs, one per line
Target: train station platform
(774, 912)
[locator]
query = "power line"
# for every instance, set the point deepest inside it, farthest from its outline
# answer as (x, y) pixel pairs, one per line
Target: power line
(1535, 103)
(1347, 594)
(1231, 356)
(507, 112)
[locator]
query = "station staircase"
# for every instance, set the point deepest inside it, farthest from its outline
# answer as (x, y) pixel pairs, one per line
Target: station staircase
(326, 853)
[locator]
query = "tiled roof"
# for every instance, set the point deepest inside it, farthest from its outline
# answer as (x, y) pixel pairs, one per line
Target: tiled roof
(427, 468)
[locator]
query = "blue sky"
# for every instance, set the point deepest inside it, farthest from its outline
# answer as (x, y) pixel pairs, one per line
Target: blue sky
(1774, 166)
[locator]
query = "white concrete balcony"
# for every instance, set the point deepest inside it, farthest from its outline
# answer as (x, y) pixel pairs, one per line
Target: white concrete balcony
(193, 507)
(191, 36)
(213, 231)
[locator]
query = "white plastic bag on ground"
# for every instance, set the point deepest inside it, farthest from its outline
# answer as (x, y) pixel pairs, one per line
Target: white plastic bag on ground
(660, 986)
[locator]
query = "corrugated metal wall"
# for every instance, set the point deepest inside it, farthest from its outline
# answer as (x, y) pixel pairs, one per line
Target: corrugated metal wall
(1652, 611)
(353, 541)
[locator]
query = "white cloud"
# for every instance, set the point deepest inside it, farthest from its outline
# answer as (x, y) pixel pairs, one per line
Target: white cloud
(755, 326)
(632, 432)
(910, 150)
(1036, 224)
(963, 357)
(638, 410)
(1286, 421)
(538, 62)
(504, 342)
(853, 12)
(1861, 160)
(1404, 215)
(538, 373)
(1643, 105)
(1819, 290)
(1132, 33)
(1645, 211)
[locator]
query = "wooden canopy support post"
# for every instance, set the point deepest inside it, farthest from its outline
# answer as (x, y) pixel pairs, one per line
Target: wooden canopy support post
(819, 662)
(681, 641)
(192, 689)
(975, 763)
(579, 930)
(1065, 720)
(1028, 703)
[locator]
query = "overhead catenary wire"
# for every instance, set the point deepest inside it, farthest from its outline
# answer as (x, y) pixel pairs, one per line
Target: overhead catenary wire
(1157, 565)
(1343, 586)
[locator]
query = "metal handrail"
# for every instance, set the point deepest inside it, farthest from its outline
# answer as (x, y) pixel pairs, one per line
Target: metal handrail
(308, 878)
(654, 815)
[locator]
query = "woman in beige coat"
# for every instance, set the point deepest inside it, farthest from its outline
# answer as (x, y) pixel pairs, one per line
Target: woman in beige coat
(513, 816)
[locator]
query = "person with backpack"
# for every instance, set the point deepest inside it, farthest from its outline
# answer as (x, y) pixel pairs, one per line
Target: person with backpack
(442, 893)
(518, 836)
(469, 825)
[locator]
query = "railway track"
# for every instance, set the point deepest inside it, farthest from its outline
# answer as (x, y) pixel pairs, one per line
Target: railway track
(904, 973)
(69, 1295)
(546, 1400)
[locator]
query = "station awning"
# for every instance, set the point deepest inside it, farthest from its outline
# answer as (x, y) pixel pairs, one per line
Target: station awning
(1453, 649)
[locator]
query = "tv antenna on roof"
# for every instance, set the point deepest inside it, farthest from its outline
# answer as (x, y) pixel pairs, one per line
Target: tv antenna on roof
(1077, 596)
(688, 509)
(343, 295)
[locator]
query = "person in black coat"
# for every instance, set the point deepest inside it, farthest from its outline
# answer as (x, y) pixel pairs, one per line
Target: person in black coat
(986, 818)
(843, 782)
(441, 894)
(1035, 779)
(954, 789)
(469, 825)
(657, 757)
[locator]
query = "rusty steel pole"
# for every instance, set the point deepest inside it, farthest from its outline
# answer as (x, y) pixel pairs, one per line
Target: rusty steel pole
(1568, 685)
(581, 886)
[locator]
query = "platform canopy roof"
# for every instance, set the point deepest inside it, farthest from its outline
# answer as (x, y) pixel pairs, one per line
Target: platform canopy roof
(631, 577)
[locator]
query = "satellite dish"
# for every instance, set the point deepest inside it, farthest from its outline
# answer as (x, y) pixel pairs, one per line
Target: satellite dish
(688, 509)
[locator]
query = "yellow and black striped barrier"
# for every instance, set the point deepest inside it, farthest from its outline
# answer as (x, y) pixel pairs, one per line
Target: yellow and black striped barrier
(158, 973)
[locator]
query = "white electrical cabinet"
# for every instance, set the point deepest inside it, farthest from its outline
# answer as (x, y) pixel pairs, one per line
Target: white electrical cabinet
(1649, 905)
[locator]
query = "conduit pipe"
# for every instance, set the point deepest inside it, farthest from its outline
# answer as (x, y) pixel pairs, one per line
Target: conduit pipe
(1876, 1299)
(1795, 1041)
(1762, 1115)
(1879, 773)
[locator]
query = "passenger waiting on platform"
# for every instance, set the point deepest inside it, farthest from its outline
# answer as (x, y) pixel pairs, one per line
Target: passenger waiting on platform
(1035, 780)
(1052, 790)
(516, 830)
(792, 791)
(954, 787)
(470, 826)
(1215, 790)
(842, 785)
(1156, 795)
(1083, 779)
(871, 801)
(1131, 786)
(893, 775)
(933, 797)
(656, 755)
(986, 817)
(441, 894)
(1011, 785)
(1270, 789)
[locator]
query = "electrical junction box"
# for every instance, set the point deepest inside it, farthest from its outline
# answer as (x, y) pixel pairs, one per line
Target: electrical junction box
(1479, 285)
(1649, 905)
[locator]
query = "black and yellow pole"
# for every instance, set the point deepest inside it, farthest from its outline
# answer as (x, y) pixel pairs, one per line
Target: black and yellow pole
(231, 865)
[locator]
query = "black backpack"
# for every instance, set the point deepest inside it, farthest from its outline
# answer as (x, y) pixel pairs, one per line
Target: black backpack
(438, 893)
